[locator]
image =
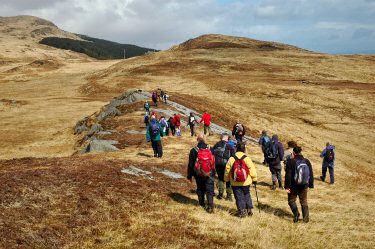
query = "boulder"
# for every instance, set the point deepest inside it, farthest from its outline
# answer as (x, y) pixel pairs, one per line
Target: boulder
(100, 145)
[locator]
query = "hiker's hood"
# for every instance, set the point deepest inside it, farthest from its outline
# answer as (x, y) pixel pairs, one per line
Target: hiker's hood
(154, 121)
(331, 147)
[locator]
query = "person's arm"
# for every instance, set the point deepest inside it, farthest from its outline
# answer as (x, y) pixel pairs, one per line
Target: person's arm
(281, 151)
(190, 169)
(244, 130)
(148, 137)
(260, 142)
(228, 168)
(234, 130)
(334, 155)
(311, 180)
(161, 130)
(288, 176)
(323, 153)
(204, 116)
(252, 170)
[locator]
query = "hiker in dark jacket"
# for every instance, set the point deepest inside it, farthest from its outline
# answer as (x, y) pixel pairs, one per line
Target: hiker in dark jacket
(147, 107)
(263, 140)
(294, 190)
(222, 152)
(153, 134)
(275, 163)
(154, 98)
(238, 131)
(192, 120)
(329, 157)
(205, 185)
(172, 126)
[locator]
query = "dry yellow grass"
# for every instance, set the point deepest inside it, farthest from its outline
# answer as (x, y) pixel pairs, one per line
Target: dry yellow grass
(251, 80)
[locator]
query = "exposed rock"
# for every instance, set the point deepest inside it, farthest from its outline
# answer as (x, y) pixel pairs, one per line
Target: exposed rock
(109, 112)
(81, 126)
(100, 145)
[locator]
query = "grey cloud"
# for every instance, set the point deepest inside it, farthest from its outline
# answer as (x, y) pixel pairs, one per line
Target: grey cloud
(361, 33)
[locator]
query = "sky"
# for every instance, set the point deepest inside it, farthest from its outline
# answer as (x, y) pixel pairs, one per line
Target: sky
(328, 26)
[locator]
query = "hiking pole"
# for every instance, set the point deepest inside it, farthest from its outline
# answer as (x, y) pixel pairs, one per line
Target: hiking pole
(256, 193)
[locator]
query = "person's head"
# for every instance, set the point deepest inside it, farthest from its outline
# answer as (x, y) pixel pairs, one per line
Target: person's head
(275, 137)
(297, 150)
(175, 114)
(241, 147)
(229, 137)
(224, 137)
(237, 121)
(292, 144)
(264, 133)
(201, 138)
(153, 117)
(328, 144)
(191, 114)
(162, 116)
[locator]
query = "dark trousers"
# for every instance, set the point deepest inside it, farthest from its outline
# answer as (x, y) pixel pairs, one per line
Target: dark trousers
(302, 195)
(331, 171)
(157, 147)
(173, 130)
(221, 184)
(205, 185)
(167, 131)
(207, 129)
(156, 103)
(276, 175)
(239, 138)
(243, 197)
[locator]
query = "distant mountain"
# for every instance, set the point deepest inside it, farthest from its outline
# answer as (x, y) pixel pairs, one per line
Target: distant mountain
(358, 52)
(96, 48)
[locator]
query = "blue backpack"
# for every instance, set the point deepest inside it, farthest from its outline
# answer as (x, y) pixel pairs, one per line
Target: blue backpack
(301, 173)
(271, 151)
(154, 129)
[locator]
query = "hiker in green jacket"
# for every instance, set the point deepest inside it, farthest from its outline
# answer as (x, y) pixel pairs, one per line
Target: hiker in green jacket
(153, 134)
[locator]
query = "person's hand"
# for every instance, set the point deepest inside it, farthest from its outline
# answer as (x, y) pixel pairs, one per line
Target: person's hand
(255, 183)
(288, 190)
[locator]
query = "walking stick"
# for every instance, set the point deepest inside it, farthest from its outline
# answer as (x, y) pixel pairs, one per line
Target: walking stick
(256, 192)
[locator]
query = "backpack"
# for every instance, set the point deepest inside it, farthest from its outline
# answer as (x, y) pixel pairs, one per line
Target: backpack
(240, 171)
(147, 105)
(178, 121)
(220, 158)
(301, 173)
(239, 129)
(163, 123)
(154, 129)
(271, 151)
(205, 162)
(329, 156)
(266, 140)
(233, 142)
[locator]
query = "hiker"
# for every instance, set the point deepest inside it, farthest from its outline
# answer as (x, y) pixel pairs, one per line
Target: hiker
(147, 107)
(177, 123)
(275, 153)
(299, 177)
(192, 120)
(146, 119)
(164, 124)
(222, 152)
(158, 93)
(172, 126)
(329, 157)
(238, 131)
(155, 98)
(263, 140)
(288, 153)
(165, 97)
(240, 171)
(161, 96)
(153, 134)
(206, 119)
(202, 167)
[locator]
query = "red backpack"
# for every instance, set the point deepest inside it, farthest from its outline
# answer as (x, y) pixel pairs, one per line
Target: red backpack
(205, 162)
(240, 171)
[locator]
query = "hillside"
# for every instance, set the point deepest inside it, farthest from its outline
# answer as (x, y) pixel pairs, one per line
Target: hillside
(96, 48)
(97, 200)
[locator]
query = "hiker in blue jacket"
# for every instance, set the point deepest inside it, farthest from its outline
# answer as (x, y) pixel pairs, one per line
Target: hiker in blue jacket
(329, 157)
(153, 134)
(275, 154)
(263, 140)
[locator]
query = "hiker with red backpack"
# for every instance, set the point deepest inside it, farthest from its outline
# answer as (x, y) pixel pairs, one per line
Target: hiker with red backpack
(153, 134)
(222, 152)
(177, 124)
(274, 155)
(299, 177)
(154, 98)
(240, 172)
(206, 119)
(329, 157)
(202, 167)
(238, 131)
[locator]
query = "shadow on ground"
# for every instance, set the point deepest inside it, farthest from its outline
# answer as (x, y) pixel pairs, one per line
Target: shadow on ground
(143, 154)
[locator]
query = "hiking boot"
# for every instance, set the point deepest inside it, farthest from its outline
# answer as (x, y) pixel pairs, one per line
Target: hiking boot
(280, 185)
(201, 200)
(210, 209)
(273, 186)
(220, 196)
(322, 178)
(305, 214)
(294, 208)
(249, 211)
(241, 213)
(229, 198)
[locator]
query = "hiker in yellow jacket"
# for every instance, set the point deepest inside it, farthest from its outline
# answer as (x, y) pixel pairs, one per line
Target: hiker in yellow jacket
(240, 171)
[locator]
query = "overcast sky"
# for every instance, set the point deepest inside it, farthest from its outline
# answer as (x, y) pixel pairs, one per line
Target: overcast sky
(331, 26)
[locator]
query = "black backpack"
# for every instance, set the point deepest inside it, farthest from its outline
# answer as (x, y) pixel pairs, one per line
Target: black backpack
(271, 151)
(329, 156)
(221, 158)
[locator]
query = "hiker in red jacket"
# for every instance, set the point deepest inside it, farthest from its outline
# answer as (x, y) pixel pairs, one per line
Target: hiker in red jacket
(206, 119)
(177, 122)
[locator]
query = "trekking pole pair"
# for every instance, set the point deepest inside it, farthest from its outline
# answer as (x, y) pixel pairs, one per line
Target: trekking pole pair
(256, 192)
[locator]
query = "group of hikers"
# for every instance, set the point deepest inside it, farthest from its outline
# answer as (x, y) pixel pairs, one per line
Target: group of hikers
(158, 95)
(235, 170)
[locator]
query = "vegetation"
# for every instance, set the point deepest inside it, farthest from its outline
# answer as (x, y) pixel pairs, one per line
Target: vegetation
(96, 48)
